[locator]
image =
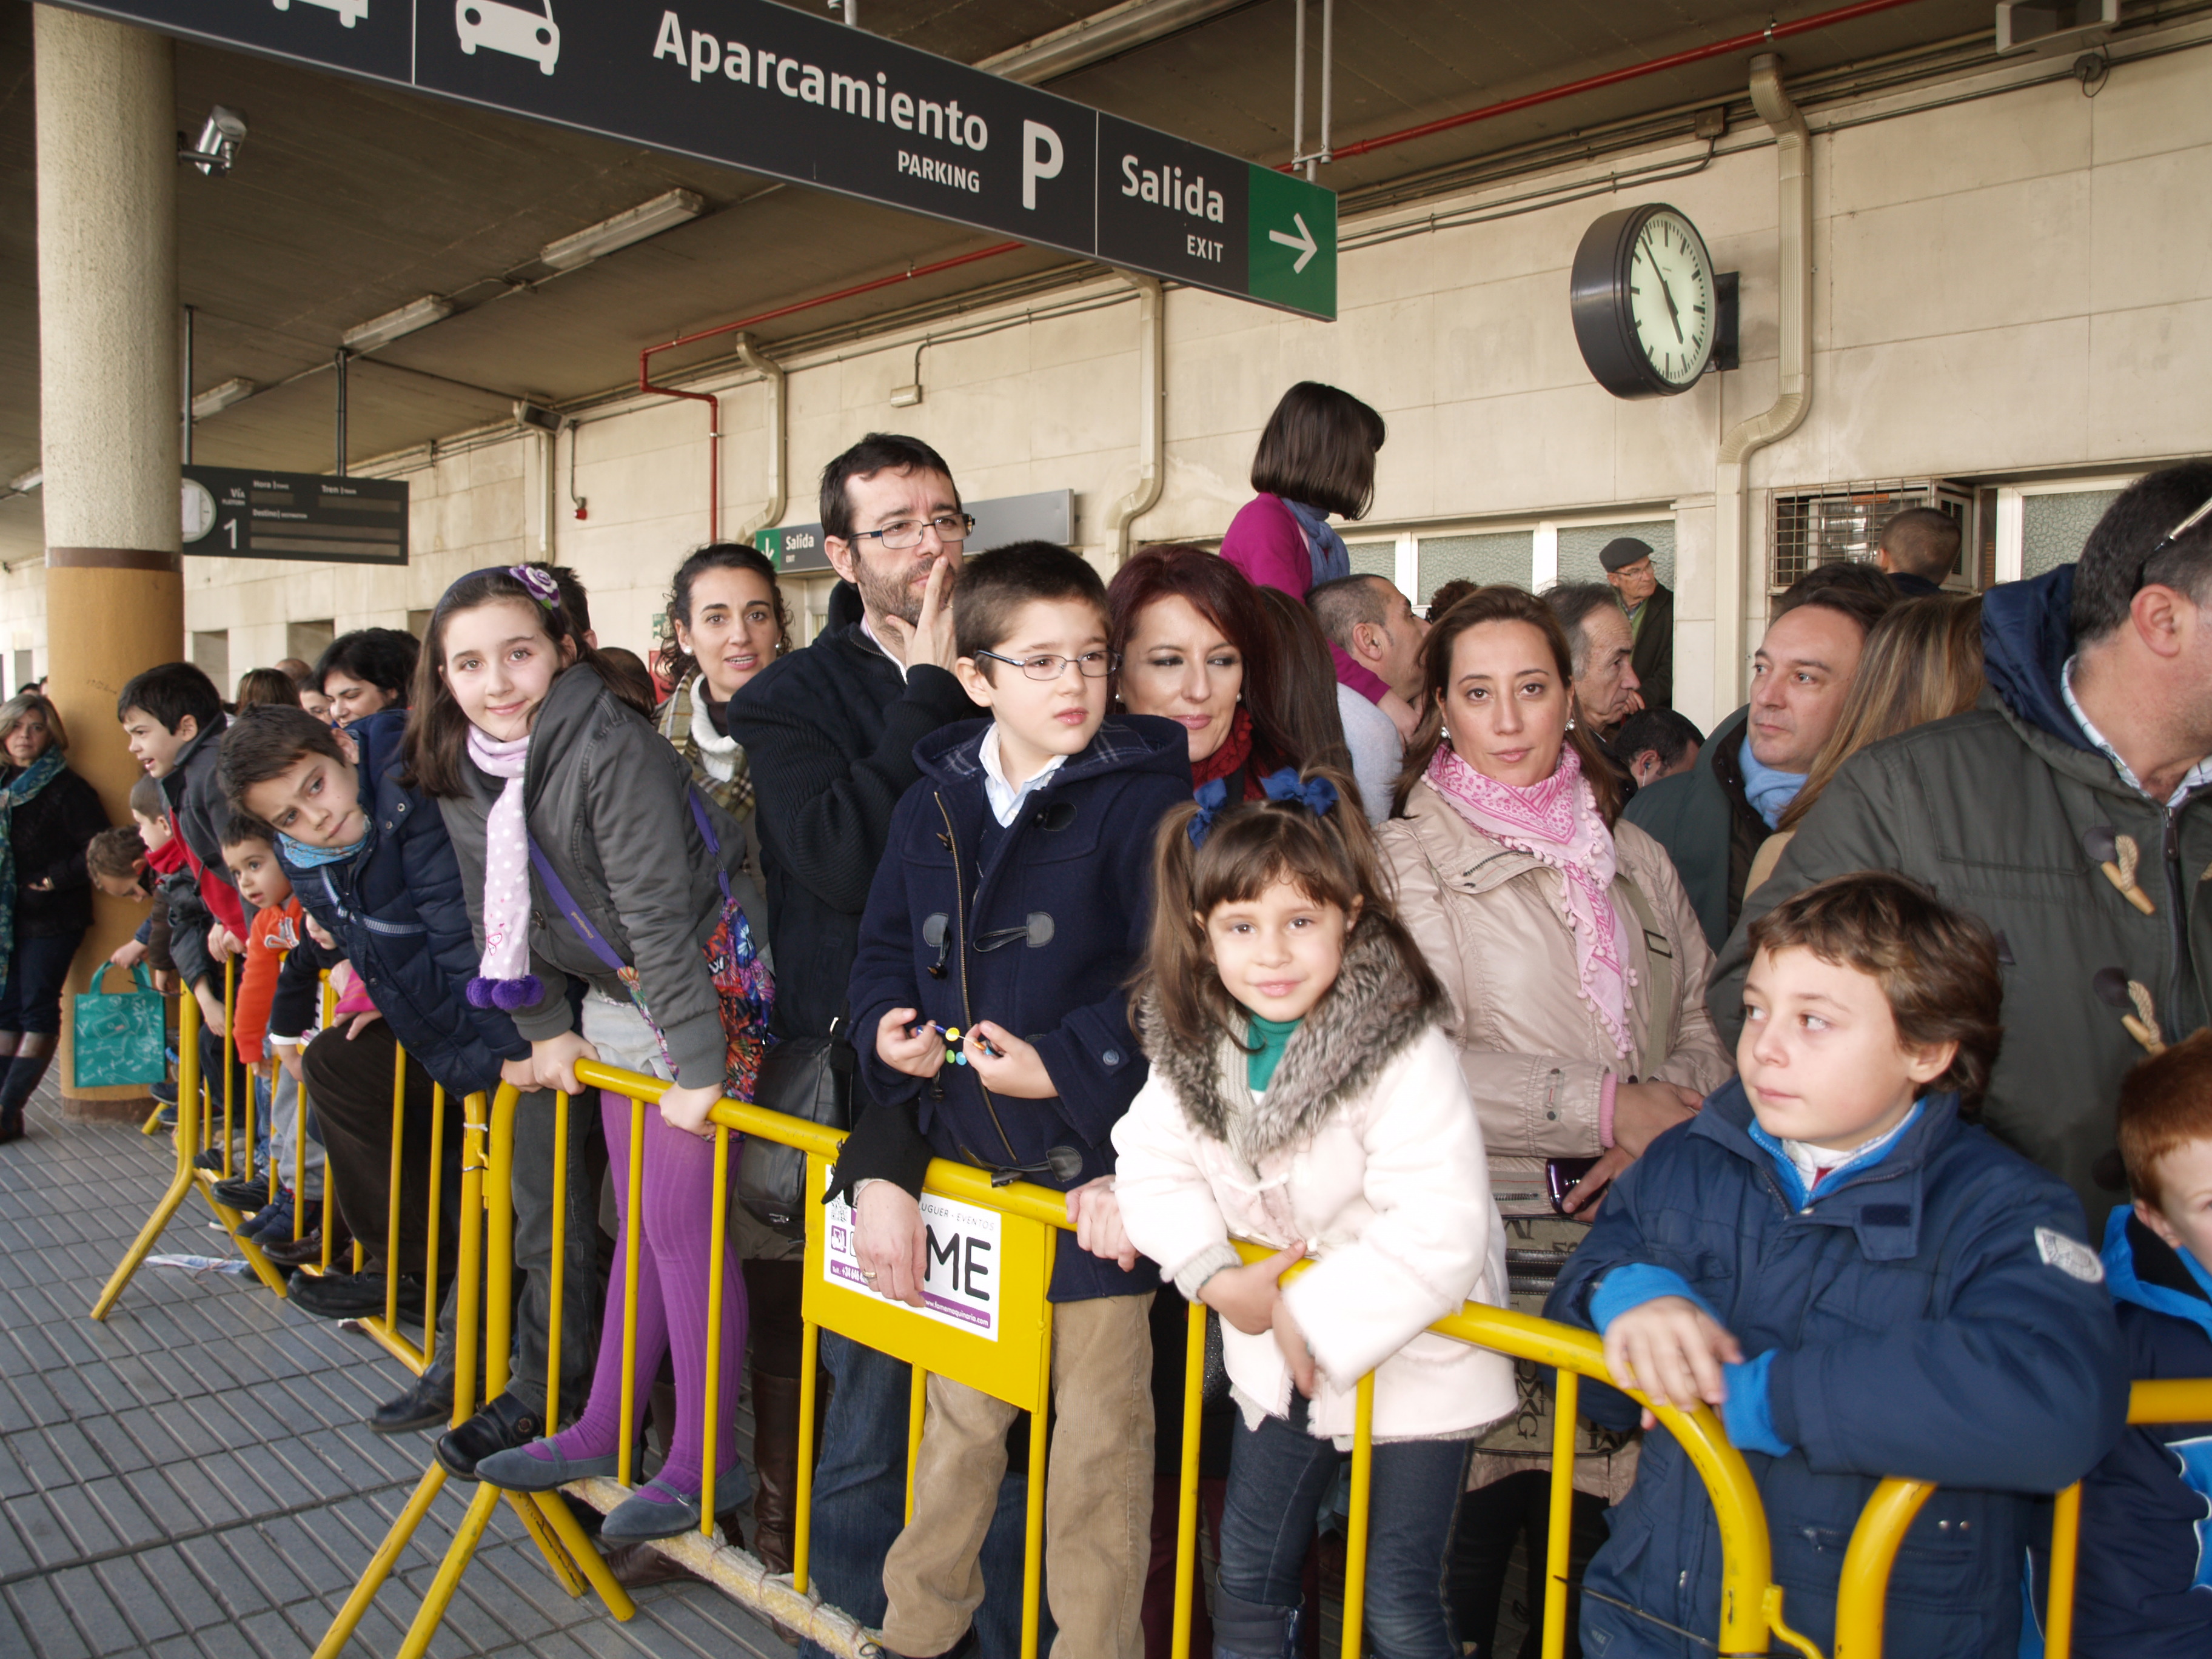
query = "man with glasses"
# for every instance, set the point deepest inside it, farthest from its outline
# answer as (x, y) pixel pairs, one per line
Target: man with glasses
(829, 733)
(2071, 812)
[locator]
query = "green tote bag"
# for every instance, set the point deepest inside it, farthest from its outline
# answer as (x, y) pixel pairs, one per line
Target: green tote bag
(119, 1035)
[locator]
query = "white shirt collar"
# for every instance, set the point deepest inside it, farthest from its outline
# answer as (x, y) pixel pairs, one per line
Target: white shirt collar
(2198, 776)
(880, 646)
(1005, 799)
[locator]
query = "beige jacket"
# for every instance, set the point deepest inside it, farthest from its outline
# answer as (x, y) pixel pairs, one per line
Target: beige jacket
(1533, 1053)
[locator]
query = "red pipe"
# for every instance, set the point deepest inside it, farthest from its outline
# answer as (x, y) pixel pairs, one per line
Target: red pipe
(1766, 36)
(714, 408)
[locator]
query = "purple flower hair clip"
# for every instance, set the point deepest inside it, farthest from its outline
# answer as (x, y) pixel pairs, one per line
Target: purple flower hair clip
(542, 587)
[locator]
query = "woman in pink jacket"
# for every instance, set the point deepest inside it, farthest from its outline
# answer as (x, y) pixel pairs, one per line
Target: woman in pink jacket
(1316, 456)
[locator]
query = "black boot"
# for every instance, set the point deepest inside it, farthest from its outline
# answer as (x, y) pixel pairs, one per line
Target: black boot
(25, 1073)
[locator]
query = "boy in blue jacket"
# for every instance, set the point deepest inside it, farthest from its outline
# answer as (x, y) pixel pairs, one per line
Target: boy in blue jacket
(2144, 1588)
(369, 861)
(990, 996)
(1860, 1281)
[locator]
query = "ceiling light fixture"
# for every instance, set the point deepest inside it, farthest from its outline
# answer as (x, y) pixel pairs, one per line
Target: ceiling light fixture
(216, 399)
(396, 324)
(538, 417)
(663, 212)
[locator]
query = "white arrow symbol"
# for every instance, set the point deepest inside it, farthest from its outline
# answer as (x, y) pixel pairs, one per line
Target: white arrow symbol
(1303, 241)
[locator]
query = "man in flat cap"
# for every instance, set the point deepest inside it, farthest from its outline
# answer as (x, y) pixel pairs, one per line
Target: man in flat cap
(1650, 610)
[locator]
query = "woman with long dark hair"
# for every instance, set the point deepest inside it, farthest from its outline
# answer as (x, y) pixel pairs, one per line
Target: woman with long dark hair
(48, 817)
(1576, 974)
(1195, 646)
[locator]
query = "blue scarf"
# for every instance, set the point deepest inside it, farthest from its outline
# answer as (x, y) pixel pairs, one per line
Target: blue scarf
(1769, 791)
(27, 782)
(301, 856)
(1331, 557)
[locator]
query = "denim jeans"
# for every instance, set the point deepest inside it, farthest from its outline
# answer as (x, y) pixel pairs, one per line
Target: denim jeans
(859, 1503)
(1279, 1475)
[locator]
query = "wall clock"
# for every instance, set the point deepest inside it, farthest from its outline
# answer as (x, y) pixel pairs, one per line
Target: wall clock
(1646, 303)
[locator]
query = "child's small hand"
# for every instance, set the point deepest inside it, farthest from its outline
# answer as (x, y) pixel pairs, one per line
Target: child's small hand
(132, 953)
(290, 1059)
(1006, 1064)
(1293, 1342)
(522, 1073)
(164, 982)
(1097, 1214)
(211, 1006)
(1671, 1350)
(918, 1053)
(686, 1108)
(1246, 1296)
(555, 1061)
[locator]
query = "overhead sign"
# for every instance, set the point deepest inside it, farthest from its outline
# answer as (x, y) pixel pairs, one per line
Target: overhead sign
(1049, 515)
(240, 513)
(780, 92)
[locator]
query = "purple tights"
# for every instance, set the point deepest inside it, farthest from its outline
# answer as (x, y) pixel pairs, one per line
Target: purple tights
(672, 1298)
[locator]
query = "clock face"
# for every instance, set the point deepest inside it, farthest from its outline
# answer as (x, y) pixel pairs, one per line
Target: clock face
(199, 510)
(1670, 297)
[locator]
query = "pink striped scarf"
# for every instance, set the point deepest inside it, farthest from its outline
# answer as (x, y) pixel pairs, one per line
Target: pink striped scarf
(1556, 822)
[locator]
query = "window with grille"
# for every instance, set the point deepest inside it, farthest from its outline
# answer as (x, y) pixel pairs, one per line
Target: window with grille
(1498, 556)
(1826, 526)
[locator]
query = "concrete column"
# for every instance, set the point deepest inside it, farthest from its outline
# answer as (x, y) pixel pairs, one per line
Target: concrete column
(108, 402)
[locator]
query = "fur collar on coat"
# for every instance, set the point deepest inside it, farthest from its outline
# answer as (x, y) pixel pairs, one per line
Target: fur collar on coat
(1372, 1014)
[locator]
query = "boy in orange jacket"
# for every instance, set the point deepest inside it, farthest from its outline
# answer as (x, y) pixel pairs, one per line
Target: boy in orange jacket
(277, 925)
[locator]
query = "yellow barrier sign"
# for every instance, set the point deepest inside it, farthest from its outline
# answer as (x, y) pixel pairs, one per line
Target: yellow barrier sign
(984, 1322)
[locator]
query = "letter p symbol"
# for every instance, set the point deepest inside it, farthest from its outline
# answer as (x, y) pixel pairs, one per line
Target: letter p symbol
(1041, 158)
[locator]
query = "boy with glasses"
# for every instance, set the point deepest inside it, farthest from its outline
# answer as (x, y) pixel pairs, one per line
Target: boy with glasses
(991, 997)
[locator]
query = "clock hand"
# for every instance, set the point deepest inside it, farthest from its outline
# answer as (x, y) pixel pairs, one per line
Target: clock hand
(1674, 316)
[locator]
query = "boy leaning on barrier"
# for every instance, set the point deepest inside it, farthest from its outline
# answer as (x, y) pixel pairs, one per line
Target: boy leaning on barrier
(1861, 1281)
(990, 992)
(2144, 1585)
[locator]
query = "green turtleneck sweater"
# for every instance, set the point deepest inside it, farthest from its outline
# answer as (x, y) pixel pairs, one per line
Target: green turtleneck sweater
(1273, 1036)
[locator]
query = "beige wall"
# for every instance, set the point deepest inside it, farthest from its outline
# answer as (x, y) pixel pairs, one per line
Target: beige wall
(2013, 283)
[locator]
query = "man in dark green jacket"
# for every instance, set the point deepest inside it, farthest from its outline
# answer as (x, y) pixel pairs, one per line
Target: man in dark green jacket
(2070, 810)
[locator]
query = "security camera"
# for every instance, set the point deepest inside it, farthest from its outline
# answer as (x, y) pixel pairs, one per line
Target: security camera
(221, 135)
(538, 417)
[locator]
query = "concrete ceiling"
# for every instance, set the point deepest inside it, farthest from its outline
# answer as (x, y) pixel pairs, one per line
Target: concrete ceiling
(350, 199)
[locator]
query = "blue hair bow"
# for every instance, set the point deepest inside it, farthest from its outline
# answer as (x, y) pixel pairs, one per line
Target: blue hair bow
(1211, 798)
(1317, 795)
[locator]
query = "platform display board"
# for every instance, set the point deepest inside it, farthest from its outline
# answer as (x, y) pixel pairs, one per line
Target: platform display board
(799, 97)
(246, 513)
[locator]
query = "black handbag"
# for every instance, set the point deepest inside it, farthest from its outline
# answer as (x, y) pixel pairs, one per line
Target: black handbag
(809, 1078)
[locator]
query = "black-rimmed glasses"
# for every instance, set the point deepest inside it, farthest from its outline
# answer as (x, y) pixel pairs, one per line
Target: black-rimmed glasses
(1092, 664)
(952, 528)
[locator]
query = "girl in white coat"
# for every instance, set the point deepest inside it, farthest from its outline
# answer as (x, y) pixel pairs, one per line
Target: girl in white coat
(1304, 1098)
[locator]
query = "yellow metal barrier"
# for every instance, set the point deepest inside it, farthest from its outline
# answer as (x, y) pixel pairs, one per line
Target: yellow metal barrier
(1889, 1513)
(193, 1111)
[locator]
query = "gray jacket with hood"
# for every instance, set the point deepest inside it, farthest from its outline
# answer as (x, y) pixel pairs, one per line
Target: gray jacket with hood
(607, 800)
(2010, 812)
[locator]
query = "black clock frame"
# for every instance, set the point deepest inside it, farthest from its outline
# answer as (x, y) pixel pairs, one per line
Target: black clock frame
(1604, 323)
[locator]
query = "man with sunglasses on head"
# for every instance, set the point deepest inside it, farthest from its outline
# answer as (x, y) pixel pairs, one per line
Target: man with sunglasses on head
(2072, 811)
(830, 732)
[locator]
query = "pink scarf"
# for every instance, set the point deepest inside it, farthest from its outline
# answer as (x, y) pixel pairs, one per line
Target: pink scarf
(504, 980)
(1556, 822)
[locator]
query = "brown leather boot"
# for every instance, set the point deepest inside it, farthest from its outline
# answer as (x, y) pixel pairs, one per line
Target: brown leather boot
(775, 1462)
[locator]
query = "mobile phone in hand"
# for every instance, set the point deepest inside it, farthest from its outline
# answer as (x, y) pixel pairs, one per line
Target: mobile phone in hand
(1562, 1176)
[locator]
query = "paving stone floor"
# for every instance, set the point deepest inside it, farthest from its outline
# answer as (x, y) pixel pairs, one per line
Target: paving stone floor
(191, 1478)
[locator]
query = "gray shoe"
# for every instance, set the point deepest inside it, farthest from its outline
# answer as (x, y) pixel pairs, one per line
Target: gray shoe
(521, 1468)
(656, 1511)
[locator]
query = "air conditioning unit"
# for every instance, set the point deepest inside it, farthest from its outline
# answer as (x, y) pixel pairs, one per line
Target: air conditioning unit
(1809, 527)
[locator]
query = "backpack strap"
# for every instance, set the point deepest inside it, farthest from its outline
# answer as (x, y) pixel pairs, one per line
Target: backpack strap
(565, 901)
(1662, 1019)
